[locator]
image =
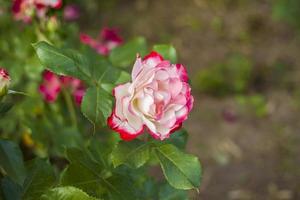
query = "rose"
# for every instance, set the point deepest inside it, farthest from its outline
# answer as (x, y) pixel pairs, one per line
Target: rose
(158, 98)
(4, 82)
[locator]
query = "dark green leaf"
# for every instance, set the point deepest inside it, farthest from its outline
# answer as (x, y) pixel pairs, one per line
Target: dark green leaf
(5, 107)
(40, 178)
(65, 138)
(62, 62)
(124, 56)
(87, 173)
(10, 190)
(83, 172)
(96, 105)
(134, 153)
(182, 171)
(179, 138)
(66, 193)
(167, 51)
(11, 161)
(166, 192)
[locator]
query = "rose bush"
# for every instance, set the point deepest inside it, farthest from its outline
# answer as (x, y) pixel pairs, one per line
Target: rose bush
(55, 142)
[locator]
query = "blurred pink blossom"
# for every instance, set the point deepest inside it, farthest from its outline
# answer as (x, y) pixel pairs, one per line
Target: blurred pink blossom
(25, 9)
(52, 85)
(108, 39)
(71, 12)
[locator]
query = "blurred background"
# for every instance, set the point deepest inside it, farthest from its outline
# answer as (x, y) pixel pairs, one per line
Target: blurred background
(243, 58)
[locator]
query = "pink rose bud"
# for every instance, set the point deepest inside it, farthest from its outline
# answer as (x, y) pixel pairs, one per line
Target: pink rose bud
(158, 98)
(4, 82)
(71, 12)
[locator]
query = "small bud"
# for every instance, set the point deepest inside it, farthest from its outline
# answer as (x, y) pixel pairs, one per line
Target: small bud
(4, 82)
(52, 24)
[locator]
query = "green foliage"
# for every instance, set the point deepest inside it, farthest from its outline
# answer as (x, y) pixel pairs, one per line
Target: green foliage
(166, 192)
(11, 161)
(82, 166)
(253, 104)
(287, 10)
(40, 178)
(181, 170)
(167, 51)
(124, 55)
(66, 193)
(62, 62)
(134, 153)
(10, 189)
(232, 76)
(96, 105)
(93, 178)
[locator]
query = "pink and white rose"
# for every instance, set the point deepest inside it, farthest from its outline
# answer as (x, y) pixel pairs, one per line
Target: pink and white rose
(158, 98)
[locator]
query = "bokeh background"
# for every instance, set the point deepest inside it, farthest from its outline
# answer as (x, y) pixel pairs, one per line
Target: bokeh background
(243, 58)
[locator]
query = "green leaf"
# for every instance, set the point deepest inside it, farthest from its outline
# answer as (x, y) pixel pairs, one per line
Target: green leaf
(167, 51)
(179, 138)
(4, 108)
(11, 161)
(40, 178)
(62, 62)
(124, 56)
(83, 172)
(66, 193)
(87, 173)
(96, 105)
(134, 153)
(11, 190)
(181, 170)
(101, 150)
(166, 192)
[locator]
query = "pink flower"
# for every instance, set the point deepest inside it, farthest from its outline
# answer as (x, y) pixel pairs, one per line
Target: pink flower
(158, 98)
(51, 86)
(78, 95)
(76, 87)
(4, 82)
(106, 41)
(25, 9)
(71, 12)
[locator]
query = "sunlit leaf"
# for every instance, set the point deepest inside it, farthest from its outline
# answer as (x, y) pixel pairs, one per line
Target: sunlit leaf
(96, 105)
(66, 193)
(134, 153)
(182, 171)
